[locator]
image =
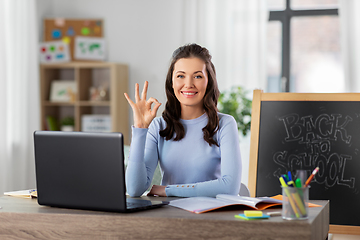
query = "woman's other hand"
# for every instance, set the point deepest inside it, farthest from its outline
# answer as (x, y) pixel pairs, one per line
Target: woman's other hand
(157, 190)
(143, 114)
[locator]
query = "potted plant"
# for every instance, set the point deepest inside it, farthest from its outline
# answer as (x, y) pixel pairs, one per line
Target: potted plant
(67, 124)
(235, 103)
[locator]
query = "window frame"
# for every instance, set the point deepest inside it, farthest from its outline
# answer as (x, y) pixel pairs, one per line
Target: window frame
(285, 16)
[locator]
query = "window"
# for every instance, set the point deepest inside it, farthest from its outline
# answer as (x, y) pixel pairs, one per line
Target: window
(304, 46)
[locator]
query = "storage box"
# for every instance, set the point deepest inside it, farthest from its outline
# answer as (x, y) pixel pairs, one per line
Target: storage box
(96, 123)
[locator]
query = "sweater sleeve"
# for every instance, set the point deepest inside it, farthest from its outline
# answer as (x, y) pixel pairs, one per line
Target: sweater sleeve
(230, 180)
(143, 159)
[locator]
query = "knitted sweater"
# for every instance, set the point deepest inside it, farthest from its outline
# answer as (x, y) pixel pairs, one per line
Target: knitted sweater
(189, 167)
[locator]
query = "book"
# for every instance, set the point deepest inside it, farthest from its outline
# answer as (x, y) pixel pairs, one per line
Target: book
(32, 193)
(206, 204)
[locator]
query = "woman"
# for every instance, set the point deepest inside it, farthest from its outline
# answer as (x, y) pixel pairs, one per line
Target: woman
(197, 147)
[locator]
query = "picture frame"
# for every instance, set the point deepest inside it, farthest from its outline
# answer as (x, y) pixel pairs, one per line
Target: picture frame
(63, 91)
(90, 48)
(54, 52)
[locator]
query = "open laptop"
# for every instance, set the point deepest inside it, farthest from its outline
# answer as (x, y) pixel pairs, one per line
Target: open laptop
(83, 170)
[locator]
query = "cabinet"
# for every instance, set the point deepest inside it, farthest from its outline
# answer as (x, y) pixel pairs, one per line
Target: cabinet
(111, 76)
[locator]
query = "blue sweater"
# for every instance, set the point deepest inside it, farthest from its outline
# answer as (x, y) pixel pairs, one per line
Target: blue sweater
(189, 167)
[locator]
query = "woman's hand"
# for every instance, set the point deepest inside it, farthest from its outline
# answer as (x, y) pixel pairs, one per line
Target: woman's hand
(157, 190)
(143, 115)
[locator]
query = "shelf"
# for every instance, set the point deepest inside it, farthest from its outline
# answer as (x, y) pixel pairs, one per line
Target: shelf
(79, 103)
(89, 64)
(94, 103)
(49, 104)
(102, 75)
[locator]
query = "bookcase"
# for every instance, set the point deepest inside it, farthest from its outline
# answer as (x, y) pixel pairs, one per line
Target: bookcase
(112, 77)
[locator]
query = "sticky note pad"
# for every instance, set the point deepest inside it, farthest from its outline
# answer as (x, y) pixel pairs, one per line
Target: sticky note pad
(242, 216)
(253, 213)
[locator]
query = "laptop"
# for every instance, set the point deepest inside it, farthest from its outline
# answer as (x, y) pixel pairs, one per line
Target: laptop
(83, 170)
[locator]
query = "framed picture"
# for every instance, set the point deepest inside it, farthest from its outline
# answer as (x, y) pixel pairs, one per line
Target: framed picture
(63, 91)
(90, 48)
(54, 52)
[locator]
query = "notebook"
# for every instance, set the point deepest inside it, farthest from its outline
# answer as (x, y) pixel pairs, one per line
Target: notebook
(83, 170)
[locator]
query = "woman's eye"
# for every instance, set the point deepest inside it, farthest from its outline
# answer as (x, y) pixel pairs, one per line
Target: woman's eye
(199, 76)
(180, 76)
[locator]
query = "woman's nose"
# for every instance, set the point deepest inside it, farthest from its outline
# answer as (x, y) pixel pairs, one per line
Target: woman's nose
(188, 82)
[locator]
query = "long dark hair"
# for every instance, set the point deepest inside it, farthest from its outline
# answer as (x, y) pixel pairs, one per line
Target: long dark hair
(172, 112)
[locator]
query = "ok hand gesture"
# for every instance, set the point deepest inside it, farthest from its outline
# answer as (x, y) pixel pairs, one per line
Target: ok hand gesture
(143, 114)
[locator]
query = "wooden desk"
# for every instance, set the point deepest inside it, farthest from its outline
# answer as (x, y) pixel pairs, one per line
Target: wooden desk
(25, 219)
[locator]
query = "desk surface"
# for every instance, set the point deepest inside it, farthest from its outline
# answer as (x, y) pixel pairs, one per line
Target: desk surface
(25, 219)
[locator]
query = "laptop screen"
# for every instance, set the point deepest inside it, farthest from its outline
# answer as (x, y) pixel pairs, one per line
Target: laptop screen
(80, 170)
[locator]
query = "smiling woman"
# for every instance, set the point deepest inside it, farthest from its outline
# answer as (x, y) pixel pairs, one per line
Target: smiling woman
(197, 147)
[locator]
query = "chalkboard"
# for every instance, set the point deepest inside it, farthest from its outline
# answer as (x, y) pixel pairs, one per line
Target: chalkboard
(292, 131)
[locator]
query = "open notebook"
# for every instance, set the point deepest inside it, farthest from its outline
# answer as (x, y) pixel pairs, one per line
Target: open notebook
(206, 204)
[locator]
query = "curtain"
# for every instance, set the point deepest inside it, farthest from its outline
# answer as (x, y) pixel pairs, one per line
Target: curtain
(350, 39)
(234, 31)
(19, 95)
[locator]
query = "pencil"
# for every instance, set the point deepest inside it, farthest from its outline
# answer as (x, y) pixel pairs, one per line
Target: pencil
(311, 176)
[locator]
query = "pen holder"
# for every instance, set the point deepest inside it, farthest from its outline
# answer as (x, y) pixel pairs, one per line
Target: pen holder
(295, 203)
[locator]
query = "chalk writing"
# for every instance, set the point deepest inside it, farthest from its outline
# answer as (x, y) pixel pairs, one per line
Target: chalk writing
(316, 135)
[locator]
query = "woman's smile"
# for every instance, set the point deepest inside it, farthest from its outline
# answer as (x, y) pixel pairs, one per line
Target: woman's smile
(189, 94)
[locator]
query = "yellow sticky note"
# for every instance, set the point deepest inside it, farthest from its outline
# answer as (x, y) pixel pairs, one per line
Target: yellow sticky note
(250, 213)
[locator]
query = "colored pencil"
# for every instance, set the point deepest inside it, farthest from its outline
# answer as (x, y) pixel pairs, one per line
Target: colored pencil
(311, 176)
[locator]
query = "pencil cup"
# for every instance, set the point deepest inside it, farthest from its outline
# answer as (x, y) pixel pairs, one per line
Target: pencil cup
(295, 203)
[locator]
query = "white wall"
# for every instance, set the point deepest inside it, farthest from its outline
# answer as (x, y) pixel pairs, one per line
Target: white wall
(43, 8)
(140, 33)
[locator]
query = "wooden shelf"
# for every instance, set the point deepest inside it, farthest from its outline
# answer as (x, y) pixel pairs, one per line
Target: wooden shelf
(79, 103)
(94, 103)
(48, 103)
(113, 76)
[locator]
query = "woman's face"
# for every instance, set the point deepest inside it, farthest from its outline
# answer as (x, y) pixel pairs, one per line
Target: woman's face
(190, 81)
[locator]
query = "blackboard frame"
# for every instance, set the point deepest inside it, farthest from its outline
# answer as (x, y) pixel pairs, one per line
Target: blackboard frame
(258, 97)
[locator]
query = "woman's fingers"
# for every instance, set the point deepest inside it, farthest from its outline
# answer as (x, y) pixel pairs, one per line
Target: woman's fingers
(144, 92)
(156, 107)
(157, 190)
(152, 100)
(129, 100)
(142, 108)
(137, 96)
